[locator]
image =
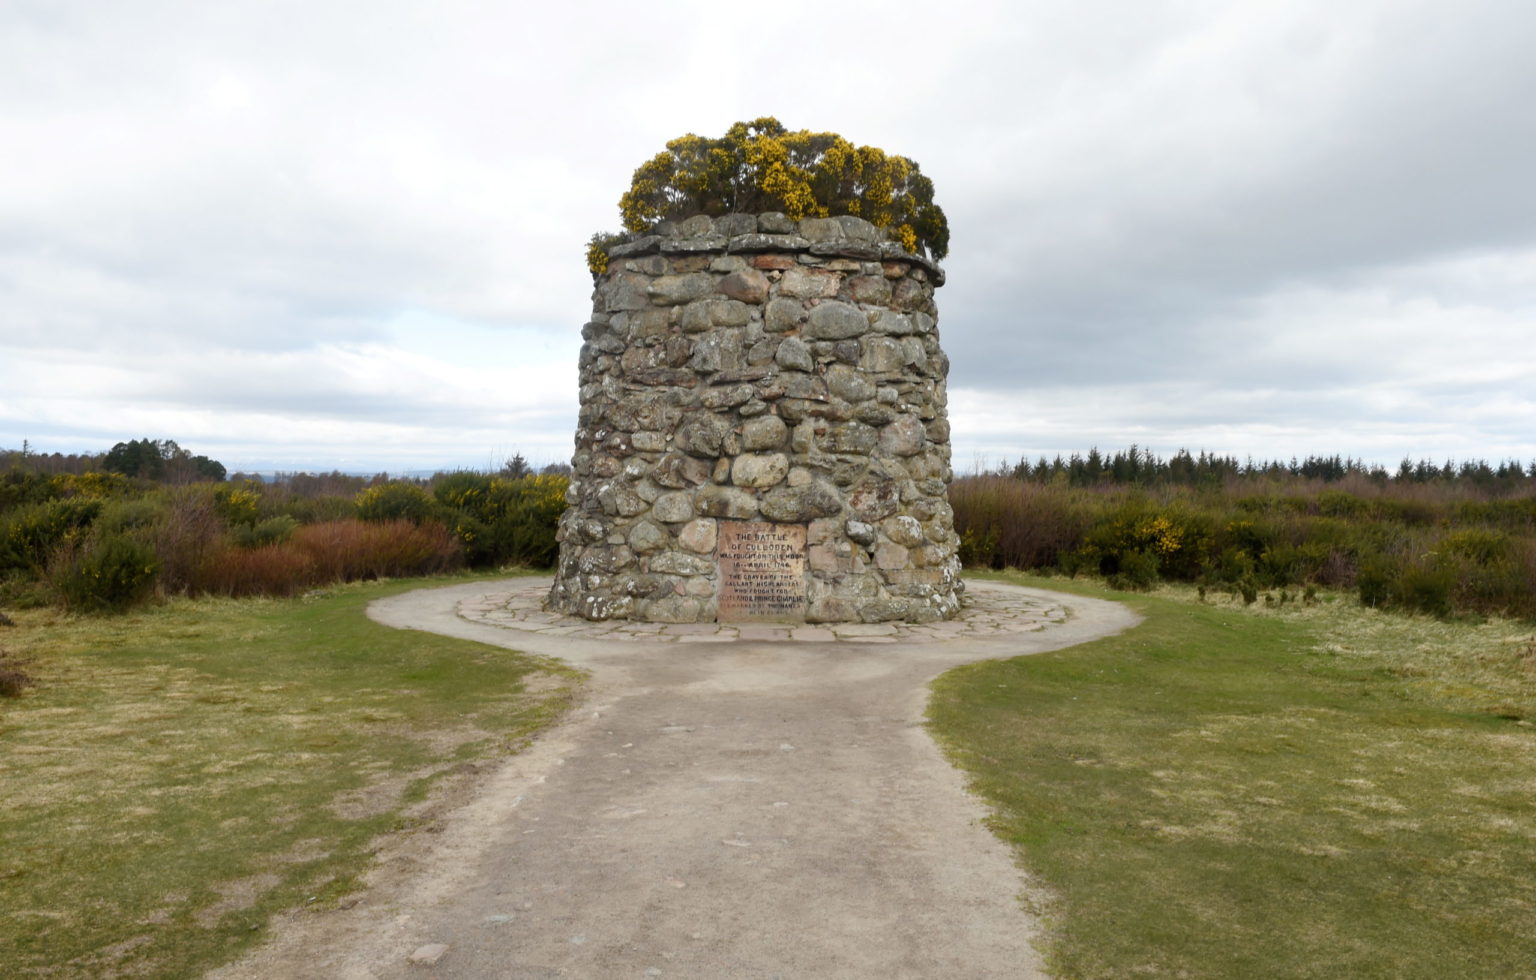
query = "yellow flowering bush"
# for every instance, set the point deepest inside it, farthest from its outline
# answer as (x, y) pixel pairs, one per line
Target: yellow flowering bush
(95, 485)
(237, 504)
(762, 166)
(504, 520)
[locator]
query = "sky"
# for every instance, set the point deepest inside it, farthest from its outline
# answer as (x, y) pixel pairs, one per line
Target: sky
(333, 235)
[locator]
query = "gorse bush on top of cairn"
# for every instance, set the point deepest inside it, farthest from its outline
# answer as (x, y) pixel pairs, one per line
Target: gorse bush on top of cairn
(762, 166)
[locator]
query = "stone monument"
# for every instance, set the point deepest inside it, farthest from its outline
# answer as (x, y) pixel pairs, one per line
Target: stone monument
(762, 432)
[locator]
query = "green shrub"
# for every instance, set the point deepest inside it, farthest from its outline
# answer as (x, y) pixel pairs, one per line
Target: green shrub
(502, 521)
(319, 509)
(1482, 546)
(273, 530)
(474, 537)
(30, 533)
(18, 486)
(106, 573)
(130, 514)
(395, 501)
(1497, 587)
(1375, 580)
(1479, 553)
(978, 547)
(1337, 503)
(1136, 572)
(464, 490)
(1248, 589)
(1425, 588)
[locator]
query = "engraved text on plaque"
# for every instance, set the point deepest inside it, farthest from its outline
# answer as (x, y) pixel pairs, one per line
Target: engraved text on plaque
(762, 572)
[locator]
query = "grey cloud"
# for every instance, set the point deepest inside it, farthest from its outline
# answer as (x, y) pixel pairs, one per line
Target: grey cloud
(1167, 219)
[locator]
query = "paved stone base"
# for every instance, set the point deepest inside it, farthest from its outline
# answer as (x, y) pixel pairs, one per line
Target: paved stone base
(990, 613)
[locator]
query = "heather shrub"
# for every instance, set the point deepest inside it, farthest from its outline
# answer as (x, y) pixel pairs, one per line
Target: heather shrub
(351, 550)
(13, 679)
(1500, 586)
(187, 534)
(1004, 522)
(268, 569)
(1409, 512)
(104, 573)
(402, 549)
(20, 589)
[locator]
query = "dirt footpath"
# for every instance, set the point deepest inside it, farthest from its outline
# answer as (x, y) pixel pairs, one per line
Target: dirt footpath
(712, 810)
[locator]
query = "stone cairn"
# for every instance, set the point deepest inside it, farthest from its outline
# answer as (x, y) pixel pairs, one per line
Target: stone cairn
(762, 432)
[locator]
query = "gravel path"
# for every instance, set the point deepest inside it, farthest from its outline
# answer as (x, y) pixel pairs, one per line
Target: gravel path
(726, 803)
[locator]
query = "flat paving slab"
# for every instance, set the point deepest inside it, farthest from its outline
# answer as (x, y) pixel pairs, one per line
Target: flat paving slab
(991, 612)
(766, 804)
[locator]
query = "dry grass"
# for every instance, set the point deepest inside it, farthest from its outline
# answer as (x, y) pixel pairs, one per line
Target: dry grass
(178, 774)
(1283, 791)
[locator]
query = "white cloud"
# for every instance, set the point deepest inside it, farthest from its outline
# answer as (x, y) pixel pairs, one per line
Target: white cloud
(304, 233)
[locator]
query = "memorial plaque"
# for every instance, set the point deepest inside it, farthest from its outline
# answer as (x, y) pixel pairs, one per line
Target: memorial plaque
(762, 572)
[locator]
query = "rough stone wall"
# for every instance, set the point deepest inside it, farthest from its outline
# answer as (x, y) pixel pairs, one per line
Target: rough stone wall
(757, 368)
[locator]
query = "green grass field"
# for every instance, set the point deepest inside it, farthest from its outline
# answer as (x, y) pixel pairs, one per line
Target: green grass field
(179, 774)
(1320, 791)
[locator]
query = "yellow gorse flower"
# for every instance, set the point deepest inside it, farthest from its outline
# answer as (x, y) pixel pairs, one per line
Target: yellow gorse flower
(761, 166)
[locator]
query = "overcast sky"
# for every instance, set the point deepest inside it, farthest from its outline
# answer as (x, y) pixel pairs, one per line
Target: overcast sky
(316, 235)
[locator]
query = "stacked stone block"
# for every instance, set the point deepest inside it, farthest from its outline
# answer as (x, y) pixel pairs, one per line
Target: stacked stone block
(758, 368)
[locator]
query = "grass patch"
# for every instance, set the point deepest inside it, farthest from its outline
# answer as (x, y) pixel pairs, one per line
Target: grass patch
(178, 774)
(1297, 791)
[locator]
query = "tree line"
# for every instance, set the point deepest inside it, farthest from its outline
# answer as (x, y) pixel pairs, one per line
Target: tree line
(1143, 468)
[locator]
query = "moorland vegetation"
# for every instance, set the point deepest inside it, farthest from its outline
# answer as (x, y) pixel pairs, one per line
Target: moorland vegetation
(106, 532)
(1446, 539)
